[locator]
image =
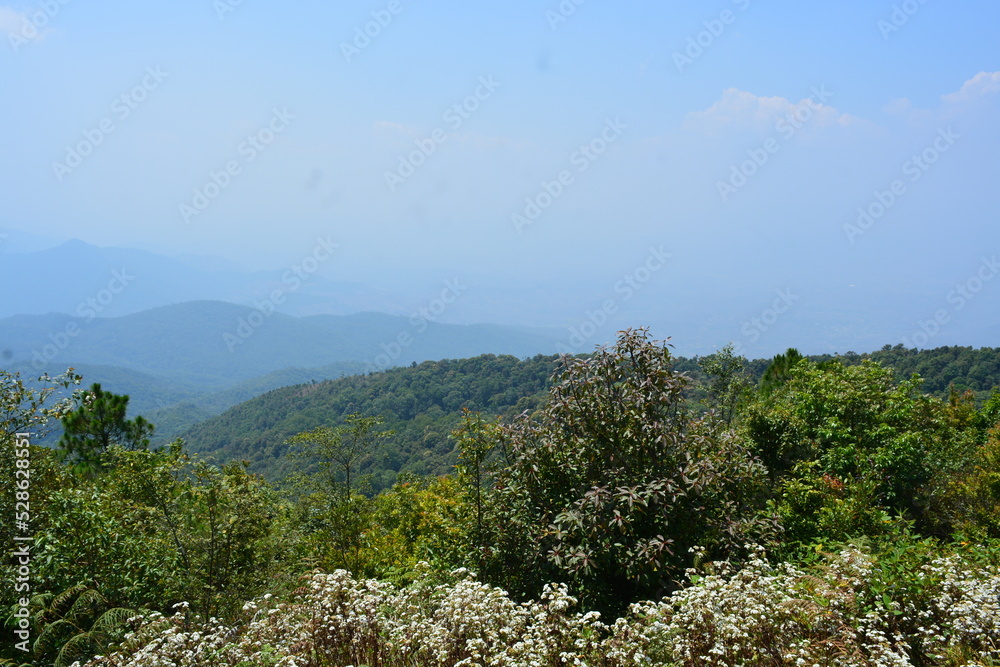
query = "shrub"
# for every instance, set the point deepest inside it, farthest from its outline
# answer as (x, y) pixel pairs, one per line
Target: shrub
(832, 612)
(611, 482)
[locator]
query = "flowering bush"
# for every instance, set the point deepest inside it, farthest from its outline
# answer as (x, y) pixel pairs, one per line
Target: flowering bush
(760, 614)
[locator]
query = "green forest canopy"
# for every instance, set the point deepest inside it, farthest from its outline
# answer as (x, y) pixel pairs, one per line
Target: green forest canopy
(422, 404)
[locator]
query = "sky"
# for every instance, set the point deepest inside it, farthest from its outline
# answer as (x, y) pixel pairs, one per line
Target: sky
(731, 159)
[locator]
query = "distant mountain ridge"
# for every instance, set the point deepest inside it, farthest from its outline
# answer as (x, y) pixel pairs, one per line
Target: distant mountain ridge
(39, 276)
(192, 342)
(68, 278)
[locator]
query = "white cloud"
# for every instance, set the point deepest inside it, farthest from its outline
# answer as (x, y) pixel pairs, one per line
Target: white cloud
(953, 105)
(981, 85)
(740, 109)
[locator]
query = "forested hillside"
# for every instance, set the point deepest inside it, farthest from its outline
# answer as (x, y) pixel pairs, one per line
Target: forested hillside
(421, 403)
(173, 418)
(964, 367)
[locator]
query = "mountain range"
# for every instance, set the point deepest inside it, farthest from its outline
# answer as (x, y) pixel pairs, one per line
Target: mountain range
(184, 362)
(80, 279)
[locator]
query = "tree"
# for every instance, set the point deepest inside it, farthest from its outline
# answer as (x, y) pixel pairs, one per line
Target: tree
(611, 483)
(333, 515)
(159, 528)
(339, 450)
(477, 443)
(25, 409)
(418, 519)
(99, 422)
(779, 371)
(990, 412)
(729, 381)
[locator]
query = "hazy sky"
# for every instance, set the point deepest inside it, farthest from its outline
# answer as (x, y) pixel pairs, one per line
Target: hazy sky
(738, 136)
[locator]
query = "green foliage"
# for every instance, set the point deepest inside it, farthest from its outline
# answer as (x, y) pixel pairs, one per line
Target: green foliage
(990, 413)
(154, 530)
(223, 528)
(176, 413)
(338, 451)
(25, 409)
(778, 373)
(477, 467)
(419, 519)
(45, 477)
(90, 539)
(964, 367)
(729, 382)
(969, 499)
(611, 483)
(335, 515)
(99, 422)
(813, 505)
(421, 404)
(76, 625)
(847, 444)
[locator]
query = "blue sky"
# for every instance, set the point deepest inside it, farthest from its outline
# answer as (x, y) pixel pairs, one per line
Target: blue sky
(888, 89)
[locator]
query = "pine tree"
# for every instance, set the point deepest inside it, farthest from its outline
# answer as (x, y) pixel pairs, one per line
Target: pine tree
(99, 422)
(779, 372)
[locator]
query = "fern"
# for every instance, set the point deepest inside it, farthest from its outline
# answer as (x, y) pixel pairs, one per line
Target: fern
(63, 600)
(87, 604)
(113, 620)
(65, 619)
(52, 635)
(81, 647)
